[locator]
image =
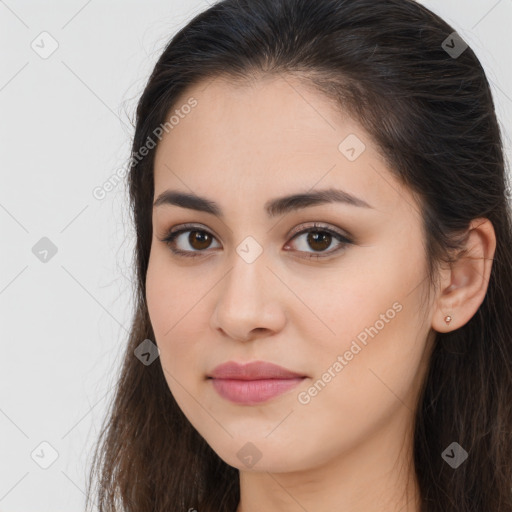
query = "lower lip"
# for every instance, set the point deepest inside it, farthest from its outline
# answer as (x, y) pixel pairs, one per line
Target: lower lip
(251, 392)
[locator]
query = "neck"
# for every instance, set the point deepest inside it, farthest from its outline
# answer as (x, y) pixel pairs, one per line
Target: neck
(376, 476)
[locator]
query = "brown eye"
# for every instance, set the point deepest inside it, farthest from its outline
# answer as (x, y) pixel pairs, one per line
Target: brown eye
(319, 240)
(199, 239)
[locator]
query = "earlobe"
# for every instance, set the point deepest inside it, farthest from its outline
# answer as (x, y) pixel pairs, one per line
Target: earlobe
(465, 283)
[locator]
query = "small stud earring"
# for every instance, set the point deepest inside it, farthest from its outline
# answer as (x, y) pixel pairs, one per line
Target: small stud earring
(447, 319)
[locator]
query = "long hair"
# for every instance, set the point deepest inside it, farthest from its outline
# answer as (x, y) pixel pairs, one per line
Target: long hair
(423, 97)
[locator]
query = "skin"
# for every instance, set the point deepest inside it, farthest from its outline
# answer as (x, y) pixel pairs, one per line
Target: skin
(349, 447)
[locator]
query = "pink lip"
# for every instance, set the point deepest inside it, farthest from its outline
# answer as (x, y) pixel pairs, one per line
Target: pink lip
(255, 370)
(254, 382)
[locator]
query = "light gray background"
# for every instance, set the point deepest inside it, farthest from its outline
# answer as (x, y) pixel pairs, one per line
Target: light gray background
(65, 129)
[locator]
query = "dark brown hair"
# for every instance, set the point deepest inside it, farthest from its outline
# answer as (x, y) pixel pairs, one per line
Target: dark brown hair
(432, 116)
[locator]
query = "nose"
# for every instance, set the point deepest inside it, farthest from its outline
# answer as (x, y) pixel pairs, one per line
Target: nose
(250, 303)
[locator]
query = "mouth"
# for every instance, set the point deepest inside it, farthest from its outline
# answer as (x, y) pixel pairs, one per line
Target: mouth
(254, 382)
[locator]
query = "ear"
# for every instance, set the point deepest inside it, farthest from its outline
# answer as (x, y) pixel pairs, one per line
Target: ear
(464, 284)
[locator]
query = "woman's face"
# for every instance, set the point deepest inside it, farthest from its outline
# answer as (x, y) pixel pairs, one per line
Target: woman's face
(349, 320)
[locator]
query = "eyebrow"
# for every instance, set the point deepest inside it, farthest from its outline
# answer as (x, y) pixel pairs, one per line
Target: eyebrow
(273, 207)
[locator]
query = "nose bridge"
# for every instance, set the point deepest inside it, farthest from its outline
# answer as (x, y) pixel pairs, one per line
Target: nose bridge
(248, 258)
(246, 280)
(247, 300)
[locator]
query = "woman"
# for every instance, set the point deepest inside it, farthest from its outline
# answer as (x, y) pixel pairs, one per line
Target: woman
(324, 254)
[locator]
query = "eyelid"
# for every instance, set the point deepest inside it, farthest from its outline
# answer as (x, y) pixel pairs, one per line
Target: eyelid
(320, 226)
(189, 226)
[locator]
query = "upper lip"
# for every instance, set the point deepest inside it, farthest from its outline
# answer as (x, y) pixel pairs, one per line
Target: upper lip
(255, 370)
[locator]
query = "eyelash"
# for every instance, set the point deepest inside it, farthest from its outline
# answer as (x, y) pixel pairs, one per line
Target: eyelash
(171, 235)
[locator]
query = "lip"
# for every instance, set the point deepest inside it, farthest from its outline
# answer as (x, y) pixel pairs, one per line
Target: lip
(254, 382)
(255, 370)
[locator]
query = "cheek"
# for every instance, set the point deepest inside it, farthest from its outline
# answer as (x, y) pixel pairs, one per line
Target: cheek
(168, 295)
(342, 306)
(356, 395)
(369, 335)
(159, 296)
(177, 317)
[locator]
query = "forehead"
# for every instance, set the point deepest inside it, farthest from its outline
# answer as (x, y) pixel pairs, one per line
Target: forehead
(265, 117)
(265, 136)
